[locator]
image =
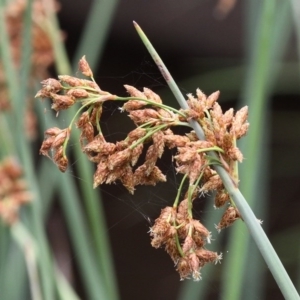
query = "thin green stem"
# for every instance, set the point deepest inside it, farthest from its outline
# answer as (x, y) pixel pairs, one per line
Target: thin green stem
(179, 191)
(92, 199)
(29, 249)
(150, 133)
(214, 148)
(98, 113)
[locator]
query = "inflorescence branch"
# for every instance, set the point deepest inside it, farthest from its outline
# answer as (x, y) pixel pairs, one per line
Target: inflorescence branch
(176, 230)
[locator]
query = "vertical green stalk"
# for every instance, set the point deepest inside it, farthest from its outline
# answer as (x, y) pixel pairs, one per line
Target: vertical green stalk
(272, 30)
(29, 249)
(295, 8)
(18, 93)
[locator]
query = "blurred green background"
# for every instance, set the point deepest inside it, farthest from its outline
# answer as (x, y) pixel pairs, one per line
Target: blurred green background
(247, 49)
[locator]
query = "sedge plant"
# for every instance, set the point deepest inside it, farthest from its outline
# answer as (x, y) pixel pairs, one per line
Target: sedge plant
(207, 157)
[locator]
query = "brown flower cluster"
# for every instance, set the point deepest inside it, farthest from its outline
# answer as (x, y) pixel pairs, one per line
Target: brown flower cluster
(41, 55)
(184, 239)
(13, 190)
(42, 52)
(176, 230)
(222, 130)
(115, 161)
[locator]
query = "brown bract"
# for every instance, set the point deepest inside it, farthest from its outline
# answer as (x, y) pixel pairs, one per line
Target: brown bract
(84, 67)
(55, 139)
(229, 217)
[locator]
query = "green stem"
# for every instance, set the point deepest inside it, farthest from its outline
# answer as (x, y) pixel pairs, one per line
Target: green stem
(214, 148)
(178, 245)
(29, 250)
(275, 265)
(179, 191)
(150, 133)
(102, 264)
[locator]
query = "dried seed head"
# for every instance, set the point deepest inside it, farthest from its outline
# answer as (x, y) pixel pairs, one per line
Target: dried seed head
(136, 134)
(84, 119)
(240, 124)
(60, 160)
(46, 146)
(70, 80)
(195, 266)
(195, 169)
(198, 239)
(60, 138)
(201, 229)
(133, 105)
(50, 85)
(227, 117)
(183, 218)
(172, 250)
(222, 197)
(87, 133)
(174, 140)
(151, 95)
(158, 143)
(206, 256)
(150, 160)
(141, 116)
(196, 107)
(188, 244)
(132, 91)
(78, 93)
(61, 102)
(140, 176)
(100, 174)
(213, 183)
(118, 159)
(186, 154)
(127, 178)
(84, 67)
(216, 111)
(160, 233)
(229, 217)
(211, 100)
(183, 268)
(99, 145)
(200, 95)
(62, 164)
(53, 131)
(234, 153)
(136, 152)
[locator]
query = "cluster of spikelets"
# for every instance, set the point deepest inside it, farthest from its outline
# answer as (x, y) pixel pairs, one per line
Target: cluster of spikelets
(13, 190)
(176, 230)
(184, 239)
(41, 55)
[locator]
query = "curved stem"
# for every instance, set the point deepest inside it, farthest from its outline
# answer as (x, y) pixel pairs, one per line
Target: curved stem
(151, 132)
(179, 191)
